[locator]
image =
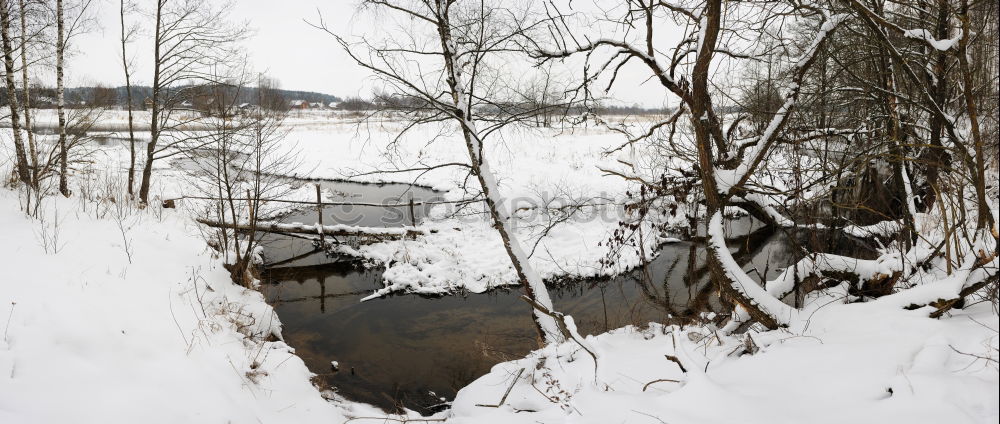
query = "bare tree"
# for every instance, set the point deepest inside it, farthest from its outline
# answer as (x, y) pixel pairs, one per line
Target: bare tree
(23, 167)
(725, 164)
(126, 35)
(237, 170)
(61, 97)
(458, 74)
(730, 157)
(269, 95)
(26, 87)
(189, 40)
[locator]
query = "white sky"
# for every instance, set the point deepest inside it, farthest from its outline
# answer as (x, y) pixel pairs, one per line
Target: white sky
(283, 46)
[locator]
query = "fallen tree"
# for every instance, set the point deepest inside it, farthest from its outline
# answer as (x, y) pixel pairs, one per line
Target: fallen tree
(338, 230)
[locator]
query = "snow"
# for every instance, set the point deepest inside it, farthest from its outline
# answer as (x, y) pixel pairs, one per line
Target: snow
(742, 282)
(883, 229)
(146, 327)
(928, 37)
(850, 363)
(534, 168)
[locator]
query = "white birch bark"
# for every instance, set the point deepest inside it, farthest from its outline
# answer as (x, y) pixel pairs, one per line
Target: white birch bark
(23, 171)
(533, 284)
(61, 97)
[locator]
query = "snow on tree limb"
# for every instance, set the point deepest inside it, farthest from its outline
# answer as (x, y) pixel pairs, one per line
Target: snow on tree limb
(729, 179)
(741, 282)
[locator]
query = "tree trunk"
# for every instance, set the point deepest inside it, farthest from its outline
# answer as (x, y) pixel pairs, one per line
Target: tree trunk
(128, 100)
(935, 156)
(985, 217)
(534, 287)
(154, 125)
(26, 86)
(23, 168)
(701, 105)
(61, 98)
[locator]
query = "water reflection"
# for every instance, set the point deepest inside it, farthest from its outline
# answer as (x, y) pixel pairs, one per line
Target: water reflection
(418, 351)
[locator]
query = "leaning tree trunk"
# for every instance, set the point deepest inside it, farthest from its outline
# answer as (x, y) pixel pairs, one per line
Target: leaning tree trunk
(715, 203)
(23, 169)
(534, 288)
(61, 98)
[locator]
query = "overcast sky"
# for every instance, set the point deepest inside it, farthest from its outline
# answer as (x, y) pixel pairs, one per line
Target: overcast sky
(283, 45)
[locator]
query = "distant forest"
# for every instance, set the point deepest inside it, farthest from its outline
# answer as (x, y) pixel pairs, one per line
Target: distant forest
(116, 96)
(278, 99)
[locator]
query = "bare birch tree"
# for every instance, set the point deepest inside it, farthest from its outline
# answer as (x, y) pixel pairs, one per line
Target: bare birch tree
(61, 97)
(26, 89)
(22, 165)
(455, 72)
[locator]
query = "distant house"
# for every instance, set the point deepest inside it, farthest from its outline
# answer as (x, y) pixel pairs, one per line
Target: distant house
(247, 108)
(334, 105)
(298, 104)
(44, 102)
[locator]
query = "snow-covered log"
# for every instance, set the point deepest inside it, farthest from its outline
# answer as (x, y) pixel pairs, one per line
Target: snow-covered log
(339, 230)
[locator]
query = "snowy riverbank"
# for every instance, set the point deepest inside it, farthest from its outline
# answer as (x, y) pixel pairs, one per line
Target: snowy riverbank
(112, 315)
(855, 363)
(540, 170)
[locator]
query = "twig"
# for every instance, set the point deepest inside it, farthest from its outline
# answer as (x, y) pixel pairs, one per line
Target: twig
(661, 380)
(560, 319)
(674, 359)
(398, 420)
(509, 388)
(7, 327)
(650, 416)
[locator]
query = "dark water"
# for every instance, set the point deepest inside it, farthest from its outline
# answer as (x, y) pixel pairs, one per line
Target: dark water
(418, 351)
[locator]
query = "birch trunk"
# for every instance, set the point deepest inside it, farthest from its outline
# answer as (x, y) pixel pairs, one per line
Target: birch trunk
(61, 97)
(534, 287)
(23, 168)
(26, 85)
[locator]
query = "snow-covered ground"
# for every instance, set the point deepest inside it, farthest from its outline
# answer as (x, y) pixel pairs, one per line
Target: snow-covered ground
(856, 363)
(125, 315)
(111, 314)
(536, 167)
(117, 315)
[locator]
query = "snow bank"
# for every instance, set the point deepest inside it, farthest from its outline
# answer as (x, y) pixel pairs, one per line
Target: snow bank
(131, 319)
(862, 363)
